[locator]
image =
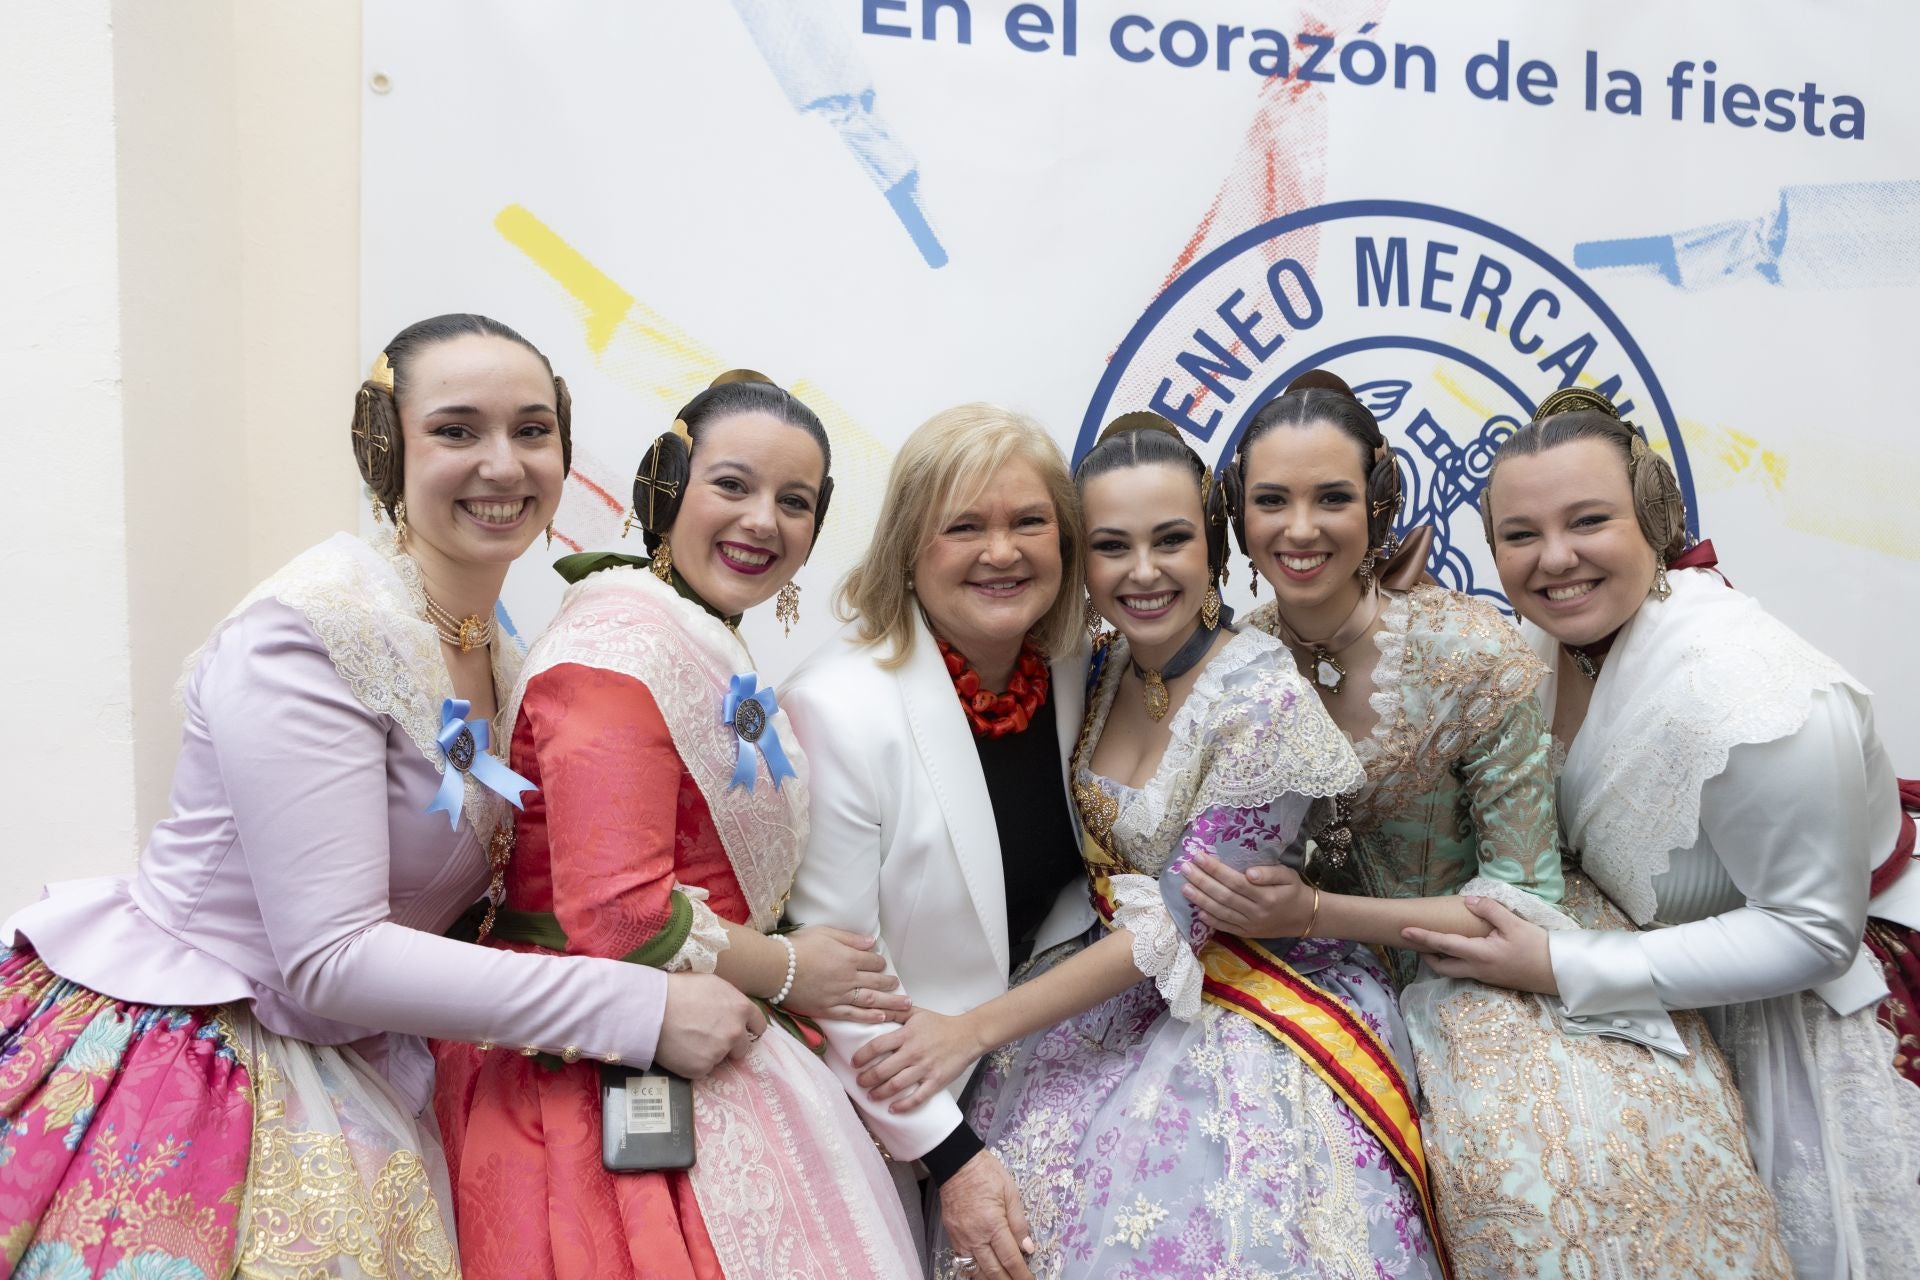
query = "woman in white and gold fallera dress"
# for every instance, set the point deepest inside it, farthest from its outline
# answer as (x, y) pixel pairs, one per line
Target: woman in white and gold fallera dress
(1725, 786)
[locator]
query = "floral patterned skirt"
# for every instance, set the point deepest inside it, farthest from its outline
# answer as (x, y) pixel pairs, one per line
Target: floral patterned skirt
(149, 1143)
(1148, 1147)
(124, 1132)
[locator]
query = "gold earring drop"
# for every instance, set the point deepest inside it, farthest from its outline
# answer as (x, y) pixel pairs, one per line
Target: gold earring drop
(1210, 609)
(549, 535)
(1661, 587)
(1094, 621)
(786, 608)
(1253, 578)
(663, 562)
(400, 522)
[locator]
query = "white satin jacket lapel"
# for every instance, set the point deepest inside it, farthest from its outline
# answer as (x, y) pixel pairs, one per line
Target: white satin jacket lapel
(946, 747)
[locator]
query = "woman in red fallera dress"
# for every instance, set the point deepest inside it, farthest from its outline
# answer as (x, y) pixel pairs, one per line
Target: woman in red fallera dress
(671, 815)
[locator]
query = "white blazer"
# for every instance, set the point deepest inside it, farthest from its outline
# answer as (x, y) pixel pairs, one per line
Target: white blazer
(903, 844)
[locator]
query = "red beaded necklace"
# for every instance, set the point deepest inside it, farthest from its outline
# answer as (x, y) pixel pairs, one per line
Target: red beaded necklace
(995, 715)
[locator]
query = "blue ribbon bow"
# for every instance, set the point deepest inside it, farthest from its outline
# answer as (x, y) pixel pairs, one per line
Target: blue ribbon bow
(463, 745)
(749, 713)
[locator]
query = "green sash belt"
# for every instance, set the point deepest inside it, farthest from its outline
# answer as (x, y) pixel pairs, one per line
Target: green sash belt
(542, 929)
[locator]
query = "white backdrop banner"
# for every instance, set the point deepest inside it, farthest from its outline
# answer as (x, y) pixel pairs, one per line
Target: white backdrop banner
(1084, 207)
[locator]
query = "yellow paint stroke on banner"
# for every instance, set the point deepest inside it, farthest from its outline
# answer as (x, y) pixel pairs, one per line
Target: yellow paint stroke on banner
(647, 353)
(1851, 491)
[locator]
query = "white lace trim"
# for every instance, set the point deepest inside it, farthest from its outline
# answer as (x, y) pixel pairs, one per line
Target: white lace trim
(1848, 1190)
(1159, 952)
(366, 605)
(1688, 679)
(1450, 667)
(1250, 731)
(1517, 900)
(627, 621)
(706, 939)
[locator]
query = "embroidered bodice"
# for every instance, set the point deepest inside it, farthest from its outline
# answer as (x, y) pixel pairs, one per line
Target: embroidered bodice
(300, 870)
(1251, 756)
(1458, 776)
(1249, 732)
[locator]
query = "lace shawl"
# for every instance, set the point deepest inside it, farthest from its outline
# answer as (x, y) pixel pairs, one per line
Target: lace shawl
(627, 621)
(1249, 732)
(1687, 680)
(365, 603)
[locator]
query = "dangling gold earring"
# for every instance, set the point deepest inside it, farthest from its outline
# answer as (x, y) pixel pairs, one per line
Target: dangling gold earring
(1094, 621)
(400, 522)
(786, 607)
(1661, 587)
(1253, 578)
(549, 535)
(1365, 573)
(1210, 609)
(379, 514)
(663, 562)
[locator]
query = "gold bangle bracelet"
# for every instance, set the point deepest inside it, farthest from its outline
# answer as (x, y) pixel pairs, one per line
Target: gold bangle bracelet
(1313, 914)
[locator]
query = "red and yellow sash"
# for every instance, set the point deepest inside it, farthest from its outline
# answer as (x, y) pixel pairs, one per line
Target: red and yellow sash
(1330, 1037)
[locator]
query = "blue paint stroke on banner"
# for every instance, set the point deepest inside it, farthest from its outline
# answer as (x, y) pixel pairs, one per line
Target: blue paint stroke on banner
(813, 58)
(1843, 235)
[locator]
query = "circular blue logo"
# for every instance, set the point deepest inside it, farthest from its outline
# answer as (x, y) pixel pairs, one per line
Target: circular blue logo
(1449, 328)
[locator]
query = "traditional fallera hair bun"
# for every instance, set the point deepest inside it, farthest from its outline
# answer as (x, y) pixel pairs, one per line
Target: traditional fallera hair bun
(660, 482)
(1318, 396)
(1143, 438)
(378, 449)
(1580, 413)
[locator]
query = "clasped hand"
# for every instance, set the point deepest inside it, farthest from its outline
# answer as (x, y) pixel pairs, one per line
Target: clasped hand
(1261, 902)
(1515, 955)
(838, 974)
(911, 1064)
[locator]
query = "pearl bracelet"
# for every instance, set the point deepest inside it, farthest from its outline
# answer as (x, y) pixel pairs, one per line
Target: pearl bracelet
(793, 965)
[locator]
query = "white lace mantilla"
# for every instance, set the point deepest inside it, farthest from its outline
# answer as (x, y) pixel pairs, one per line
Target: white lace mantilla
(1687, 680)
(365, 603)
(627, 621)
(1250, 731)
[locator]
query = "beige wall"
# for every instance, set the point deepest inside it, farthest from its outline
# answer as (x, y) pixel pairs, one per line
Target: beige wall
(185, 332)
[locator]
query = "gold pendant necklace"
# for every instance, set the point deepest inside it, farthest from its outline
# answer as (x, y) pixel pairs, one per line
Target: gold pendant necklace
(1154, 680)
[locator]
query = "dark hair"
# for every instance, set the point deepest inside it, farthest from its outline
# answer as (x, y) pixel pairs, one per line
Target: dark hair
(660, 482)
(377, 443)
(1575, 413)
(1147, 439)
(1314, 397)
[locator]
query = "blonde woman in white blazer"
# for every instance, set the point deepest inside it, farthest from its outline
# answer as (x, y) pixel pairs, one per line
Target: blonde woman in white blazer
(939, 723)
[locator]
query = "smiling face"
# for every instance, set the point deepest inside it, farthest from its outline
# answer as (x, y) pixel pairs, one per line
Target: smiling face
(1146, 555)
(992, 570)
(746, 522)
(483, 458)
(1568, 545)
(1306, 517)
